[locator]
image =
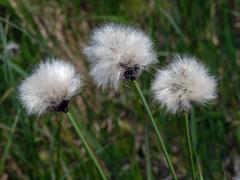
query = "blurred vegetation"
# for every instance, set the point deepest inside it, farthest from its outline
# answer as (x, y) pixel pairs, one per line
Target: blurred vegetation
(115, 123)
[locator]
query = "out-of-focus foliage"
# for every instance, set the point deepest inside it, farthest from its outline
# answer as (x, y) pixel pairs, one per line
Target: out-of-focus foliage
(115, 123)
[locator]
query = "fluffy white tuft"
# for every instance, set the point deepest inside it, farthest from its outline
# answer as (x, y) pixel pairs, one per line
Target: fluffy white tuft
(51, 83)
(115, 48)
(182, 82)
(12, 48)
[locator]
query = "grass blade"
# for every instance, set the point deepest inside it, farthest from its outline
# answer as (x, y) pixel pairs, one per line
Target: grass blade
(163, 147)
(91, 154)
(147, 148)
(189, 144)
(9, 142)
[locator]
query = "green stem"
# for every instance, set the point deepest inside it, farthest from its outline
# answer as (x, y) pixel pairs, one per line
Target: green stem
(198, 164)
(9, 143)
(163, 147)
(90, 152)
(190, 151)
(194, 137)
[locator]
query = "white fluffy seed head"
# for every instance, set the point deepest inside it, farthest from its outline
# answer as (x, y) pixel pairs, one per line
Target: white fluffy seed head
(53, 82)
(12, 48)
(118, 52)
(183, 82)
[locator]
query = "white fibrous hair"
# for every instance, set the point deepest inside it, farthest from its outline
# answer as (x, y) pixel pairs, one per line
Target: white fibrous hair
(118, 52)
(12, 48)
(183, 82)
(50, 87)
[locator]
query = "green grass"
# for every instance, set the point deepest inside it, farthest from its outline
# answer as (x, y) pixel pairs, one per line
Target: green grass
(114, 122)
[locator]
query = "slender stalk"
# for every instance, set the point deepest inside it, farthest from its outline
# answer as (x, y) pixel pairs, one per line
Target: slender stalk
(90, 152)
(147, 149)
(9, 143)
(198, 164)
(194, 137)
(163, 147)
(189, 143)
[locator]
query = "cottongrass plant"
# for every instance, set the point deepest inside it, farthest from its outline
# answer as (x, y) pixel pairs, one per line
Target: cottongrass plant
(12, 49)
(50, 88)
(183, 82)
(120, 53)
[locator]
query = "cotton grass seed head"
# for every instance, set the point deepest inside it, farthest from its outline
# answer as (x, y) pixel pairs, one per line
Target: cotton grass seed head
(12, 49)
(118, 52)
(183, 82)
(50, 87)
